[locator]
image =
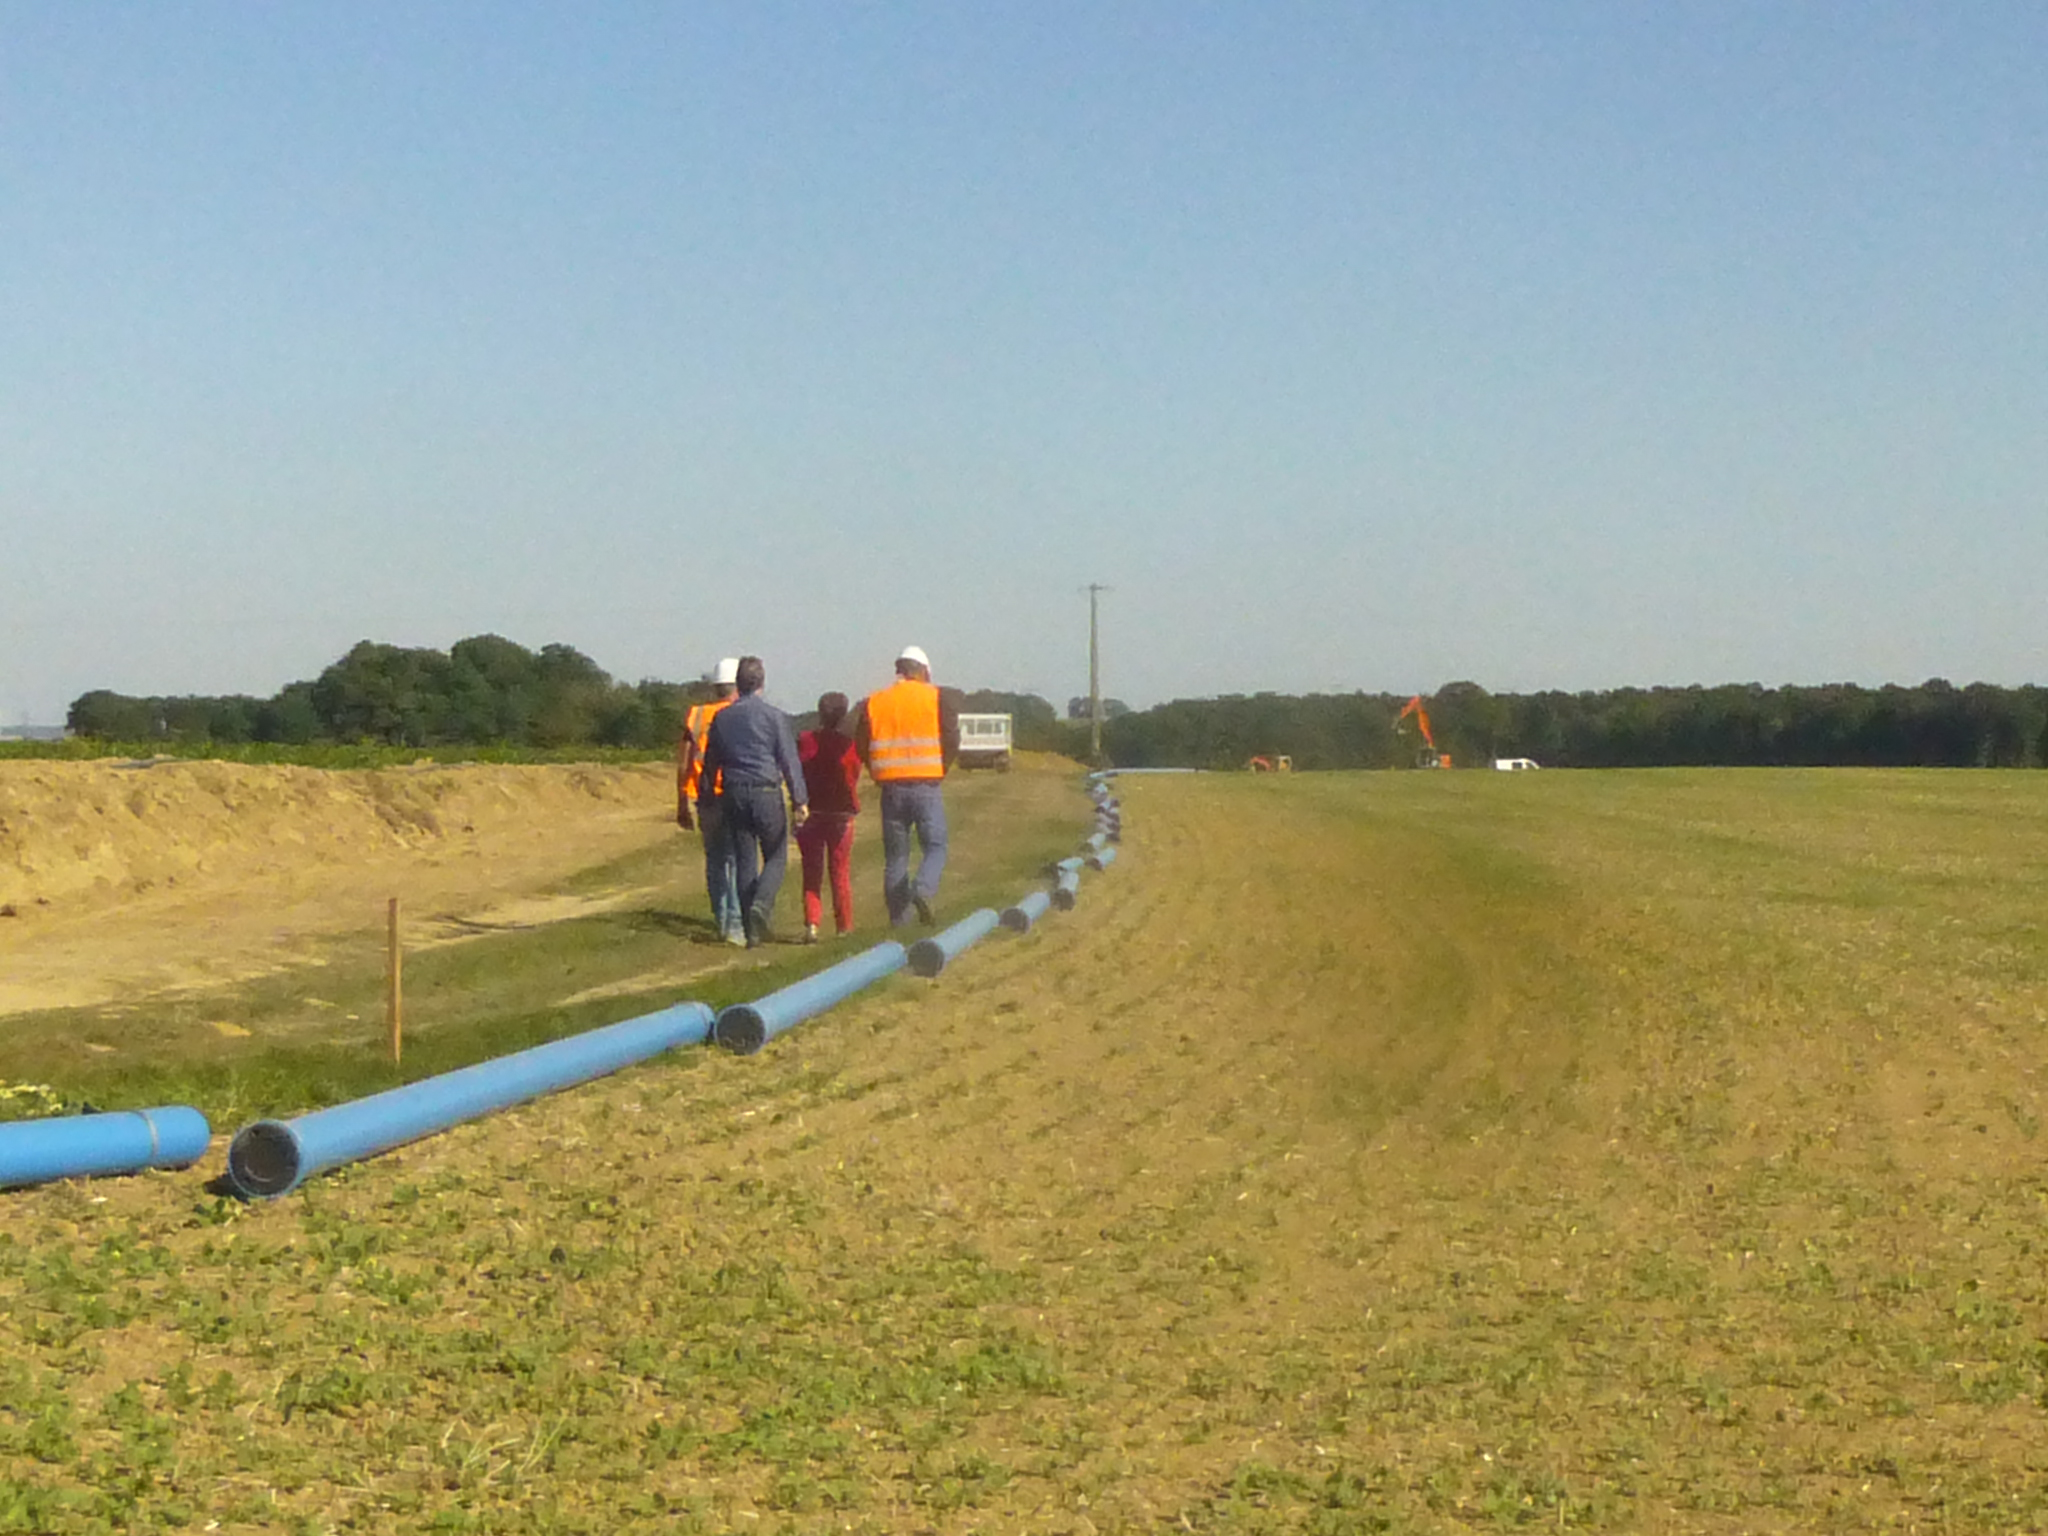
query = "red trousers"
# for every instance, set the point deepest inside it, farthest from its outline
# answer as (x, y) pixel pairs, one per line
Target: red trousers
(821, 841)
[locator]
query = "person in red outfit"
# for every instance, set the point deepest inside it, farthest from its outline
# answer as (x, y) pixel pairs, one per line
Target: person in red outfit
(831, 778)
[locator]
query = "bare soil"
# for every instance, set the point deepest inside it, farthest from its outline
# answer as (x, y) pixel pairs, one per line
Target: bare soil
(137, 880)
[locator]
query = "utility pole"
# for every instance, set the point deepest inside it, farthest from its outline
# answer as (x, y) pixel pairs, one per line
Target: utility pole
(1094, 679)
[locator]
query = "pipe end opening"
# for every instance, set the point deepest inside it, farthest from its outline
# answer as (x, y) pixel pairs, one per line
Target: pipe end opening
(264, 1160)
(741, 1030)
(927, 959)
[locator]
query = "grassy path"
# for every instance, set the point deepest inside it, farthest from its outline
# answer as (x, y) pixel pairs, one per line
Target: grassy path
(595, 943)
(1406, 1152)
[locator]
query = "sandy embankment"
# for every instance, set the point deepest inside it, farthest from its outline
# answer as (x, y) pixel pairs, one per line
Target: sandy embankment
(127, 881)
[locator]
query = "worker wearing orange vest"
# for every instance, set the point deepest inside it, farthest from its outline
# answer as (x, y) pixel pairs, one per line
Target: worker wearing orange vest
(720, 877)
(908, 735)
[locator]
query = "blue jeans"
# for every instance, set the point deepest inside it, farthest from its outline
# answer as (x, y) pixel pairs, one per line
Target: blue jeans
(757, 826)
(718, 872)
(915, 807)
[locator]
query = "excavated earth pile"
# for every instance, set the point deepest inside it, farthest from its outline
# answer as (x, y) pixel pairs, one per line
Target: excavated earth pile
(100, 861)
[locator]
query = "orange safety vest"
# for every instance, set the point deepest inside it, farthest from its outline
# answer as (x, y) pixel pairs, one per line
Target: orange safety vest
(903, 733)
(697, 728)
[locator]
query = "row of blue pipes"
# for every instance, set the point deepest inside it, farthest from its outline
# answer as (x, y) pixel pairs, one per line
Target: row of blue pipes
(270, 1158)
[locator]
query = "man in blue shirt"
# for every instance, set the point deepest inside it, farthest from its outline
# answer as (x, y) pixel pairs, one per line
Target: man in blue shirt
(751, 750)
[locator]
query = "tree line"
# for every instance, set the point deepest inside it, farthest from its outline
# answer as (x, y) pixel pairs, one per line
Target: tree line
(487, 691)
(1934, 725)
(482, 691)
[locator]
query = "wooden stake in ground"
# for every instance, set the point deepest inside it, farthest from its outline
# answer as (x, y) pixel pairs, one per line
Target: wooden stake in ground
(394, 996)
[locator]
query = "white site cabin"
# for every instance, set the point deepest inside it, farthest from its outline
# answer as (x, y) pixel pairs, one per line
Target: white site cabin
(1515, 764)
(985, 741)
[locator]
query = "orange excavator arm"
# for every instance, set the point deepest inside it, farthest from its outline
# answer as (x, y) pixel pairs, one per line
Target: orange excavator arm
(1414, 707)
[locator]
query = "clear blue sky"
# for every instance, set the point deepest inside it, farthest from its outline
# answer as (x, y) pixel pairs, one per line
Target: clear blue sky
(1354, 346)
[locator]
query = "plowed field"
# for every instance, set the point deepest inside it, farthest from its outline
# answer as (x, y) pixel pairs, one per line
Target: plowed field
(1399, 1152)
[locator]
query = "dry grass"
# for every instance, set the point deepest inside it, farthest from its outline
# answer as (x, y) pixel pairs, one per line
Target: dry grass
(1403, 1152)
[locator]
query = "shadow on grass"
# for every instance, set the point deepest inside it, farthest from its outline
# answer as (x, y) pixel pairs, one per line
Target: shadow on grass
(666, 920)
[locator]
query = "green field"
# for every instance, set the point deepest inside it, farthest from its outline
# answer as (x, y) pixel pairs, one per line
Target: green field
(315, 1033)
(1399, 1152)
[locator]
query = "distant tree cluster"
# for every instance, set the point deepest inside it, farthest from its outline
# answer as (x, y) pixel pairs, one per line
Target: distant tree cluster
(483, 691)
(1080, 707)
(1935, 725)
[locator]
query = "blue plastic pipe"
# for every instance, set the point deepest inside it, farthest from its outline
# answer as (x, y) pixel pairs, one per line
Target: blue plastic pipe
(1018, 919)
(1102, 858)
(930, 956)
(1075, 863)
(81, 1146)
(745, 1027)
(1068, 890)
(1096, 842)
(273, 1157)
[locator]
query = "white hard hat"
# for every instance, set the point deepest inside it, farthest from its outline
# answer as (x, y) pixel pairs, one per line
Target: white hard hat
(728, 672)
(916, 653)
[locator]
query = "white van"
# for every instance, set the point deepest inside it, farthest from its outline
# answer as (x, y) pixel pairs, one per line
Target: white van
(1515, 764)
(985, 741)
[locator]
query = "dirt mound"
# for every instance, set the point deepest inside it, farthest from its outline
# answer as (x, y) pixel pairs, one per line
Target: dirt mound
(98, 832)
(91, 853)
